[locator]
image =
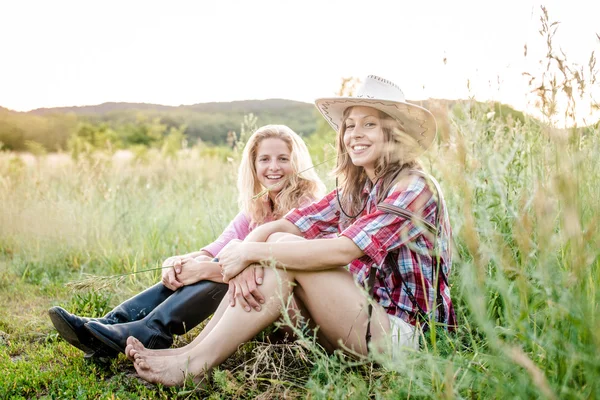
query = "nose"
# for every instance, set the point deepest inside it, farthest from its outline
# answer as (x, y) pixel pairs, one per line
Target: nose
(274, 165)
(356, 132)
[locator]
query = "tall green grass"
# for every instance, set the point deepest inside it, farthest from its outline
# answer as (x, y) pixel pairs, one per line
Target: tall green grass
(524, 204)
(105, 217)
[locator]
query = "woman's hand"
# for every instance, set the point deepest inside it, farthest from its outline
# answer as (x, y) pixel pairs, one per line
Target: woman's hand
(171, 267)
(191, 270)
(244, 288)
(233, 259)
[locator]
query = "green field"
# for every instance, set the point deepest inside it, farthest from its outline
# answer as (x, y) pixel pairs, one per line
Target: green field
(524, 201)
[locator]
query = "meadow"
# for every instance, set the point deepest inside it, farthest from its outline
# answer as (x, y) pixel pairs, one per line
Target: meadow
(524, 200)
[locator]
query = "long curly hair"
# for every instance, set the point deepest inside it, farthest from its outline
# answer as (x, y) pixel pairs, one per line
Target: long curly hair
(300, 187)
(398, 156)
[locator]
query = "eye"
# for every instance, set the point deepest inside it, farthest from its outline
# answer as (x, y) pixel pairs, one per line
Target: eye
(350, 125)
(284, 159)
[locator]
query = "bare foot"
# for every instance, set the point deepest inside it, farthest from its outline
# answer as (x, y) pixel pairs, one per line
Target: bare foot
(135, 346)
(169, 371)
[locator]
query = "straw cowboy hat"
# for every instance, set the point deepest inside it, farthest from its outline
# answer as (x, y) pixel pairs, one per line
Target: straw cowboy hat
(385, 96)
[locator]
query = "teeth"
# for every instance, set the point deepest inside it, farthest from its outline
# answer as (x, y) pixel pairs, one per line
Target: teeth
(360, 147)
(274, 176)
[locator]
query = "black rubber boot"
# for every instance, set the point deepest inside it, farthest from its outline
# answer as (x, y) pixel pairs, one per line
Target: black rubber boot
(71, 327)
(185, 309)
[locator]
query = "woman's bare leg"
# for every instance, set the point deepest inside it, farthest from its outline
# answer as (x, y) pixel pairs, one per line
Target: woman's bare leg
(298, 315)
(235, 327)
(339, 307)
(312, 297)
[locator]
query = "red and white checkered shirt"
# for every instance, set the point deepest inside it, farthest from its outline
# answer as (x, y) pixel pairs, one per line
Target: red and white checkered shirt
(389, 241)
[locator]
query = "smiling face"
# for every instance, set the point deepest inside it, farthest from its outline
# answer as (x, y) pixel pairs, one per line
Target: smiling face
(273, 164)
(364, 138)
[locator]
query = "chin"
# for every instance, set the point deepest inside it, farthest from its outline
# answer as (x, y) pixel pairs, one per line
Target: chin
(358, 163)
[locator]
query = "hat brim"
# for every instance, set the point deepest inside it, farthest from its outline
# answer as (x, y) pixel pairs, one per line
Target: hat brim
(416, 121)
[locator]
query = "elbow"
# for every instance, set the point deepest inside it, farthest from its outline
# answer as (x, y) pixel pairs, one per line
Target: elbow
(349, 251)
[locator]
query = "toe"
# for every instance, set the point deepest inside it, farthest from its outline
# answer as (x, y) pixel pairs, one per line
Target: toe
(128, 350)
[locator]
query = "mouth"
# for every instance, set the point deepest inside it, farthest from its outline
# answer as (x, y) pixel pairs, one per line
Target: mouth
(274, 177)
(359, 148)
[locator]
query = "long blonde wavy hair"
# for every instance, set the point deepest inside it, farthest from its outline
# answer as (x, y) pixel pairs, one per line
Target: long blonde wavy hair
(299, 188)
(398, 156)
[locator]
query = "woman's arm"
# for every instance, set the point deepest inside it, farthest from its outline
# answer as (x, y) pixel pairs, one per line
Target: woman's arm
(314, 254)
(193, 271)
(262, 233)
(201, 253)
(317, 254)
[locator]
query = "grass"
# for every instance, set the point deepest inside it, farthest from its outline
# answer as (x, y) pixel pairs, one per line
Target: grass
(524, 205)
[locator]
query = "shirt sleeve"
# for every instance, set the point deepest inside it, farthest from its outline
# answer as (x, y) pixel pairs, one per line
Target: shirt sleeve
(379, 232)
(316, 219)
(238, 228)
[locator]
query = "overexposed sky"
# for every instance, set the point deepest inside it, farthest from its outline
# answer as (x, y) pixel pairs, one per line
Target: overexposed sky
(65, 53)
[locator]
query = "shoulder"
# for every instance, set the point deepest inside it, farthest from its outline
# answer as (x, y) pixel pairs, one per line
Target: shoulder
(408, 184)
(241, 218)
(411, 191)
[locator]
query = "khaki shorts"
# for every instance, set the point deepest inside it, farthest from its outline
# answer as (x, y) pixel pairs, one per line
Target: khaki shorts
(403, 336)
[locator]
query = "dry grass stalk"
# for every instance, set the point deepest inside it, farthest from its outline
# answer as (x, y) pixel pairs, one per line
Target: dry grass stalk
(275, 370)
(99, 282)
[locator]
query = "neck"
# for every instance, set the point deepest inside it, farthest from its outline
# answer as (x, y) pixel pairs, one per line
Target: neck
(272, 197)
(371, 174)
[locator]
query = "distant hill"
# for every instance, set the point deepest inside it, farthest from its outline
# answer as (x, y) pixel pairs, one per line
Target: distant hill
(244, 106)
(103, 108)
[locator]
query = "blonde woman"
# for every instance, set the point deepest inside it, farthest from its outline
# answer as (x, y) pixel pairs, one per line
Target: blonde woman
(269, 185)
(392, 243)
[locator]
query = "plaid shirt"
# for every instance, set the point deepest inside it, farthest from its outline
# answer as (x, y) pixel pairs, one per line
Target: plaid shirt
(389, 241)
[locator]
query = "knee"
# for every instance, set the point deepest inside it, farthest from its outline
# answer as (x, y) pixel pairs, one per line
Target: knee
(283, 237)
(278, 278)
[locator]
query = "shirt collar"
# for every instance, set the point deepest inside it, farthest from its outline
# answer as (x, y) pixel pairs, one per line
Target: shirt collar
(370, 189)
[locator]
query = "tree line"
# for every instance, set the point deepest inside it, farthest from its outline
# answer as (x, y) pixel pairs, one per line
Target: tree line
(123, 125)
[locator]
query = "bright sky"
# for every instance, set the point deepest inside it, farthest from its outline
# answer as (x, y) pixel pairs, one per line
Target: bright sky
(64, 53)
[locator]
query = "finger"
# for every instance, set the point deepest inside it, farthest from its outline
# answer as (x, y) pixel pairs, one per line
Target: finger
(175, 283)
(177, 265)
(226, 277)
(165, 282)
(259, 274)
(249, 297)
(256, 294)
(231, 294)
(169, 275)
(186, 260)
(239, 296)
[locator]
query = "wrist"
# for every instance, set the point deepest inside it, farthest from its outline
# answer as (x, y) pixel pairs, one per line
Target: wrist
(249, 253)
